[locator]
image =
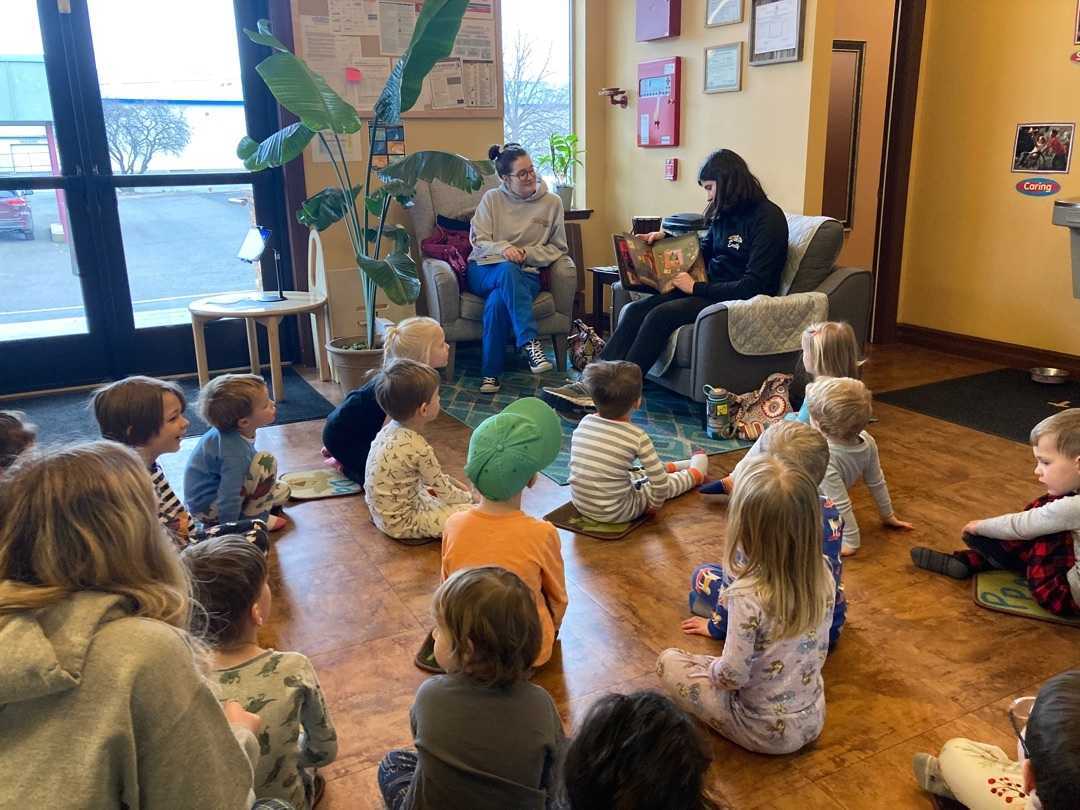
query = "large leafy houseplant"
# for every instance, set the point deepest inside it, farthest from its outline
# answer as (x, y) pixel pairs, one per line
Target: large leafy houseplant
(562, 158)
(325, 115)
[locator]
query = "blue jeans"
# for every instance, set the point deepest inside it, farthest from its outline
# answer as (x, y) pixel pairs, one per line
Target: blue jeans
(508, 292)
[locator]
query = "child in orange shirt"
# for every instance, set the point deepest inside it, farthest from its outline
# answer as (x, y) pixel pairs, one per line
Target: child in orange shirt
(506, 452)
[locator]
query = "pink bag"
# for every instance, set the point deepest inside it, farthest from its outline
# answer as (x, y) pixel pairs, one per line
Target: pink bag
(452, 247)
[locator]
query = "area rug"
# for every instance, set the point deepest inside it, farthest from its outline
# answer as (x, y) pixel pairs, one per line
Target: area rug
(1004, 403)
(1007, 592)
(325, 482)
(62, 418)
(674, 423)
(568, 517)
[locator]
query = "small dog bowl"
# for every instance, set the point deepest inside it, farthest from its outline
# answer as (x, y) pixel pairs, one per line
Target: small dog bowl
(1052, 376)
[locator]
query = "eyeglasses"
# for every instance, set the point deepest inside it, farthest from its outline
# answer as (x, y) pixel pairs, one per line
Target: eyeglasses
(1019, 712)
(525, 174)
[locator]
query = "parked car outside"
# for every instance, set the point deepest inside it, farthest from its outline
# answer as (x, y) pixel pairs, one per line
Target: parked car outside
(15, 214)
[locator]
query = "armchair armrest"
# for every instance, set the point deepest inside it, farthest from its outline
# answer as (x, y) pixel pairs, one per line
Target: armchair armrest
(564, 285)
(850, 290)
(442, 296)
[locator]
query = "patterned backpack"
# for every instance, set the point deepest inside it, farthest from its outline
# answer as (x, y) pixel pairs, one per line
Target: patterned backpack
(585, 345)
(752, 413)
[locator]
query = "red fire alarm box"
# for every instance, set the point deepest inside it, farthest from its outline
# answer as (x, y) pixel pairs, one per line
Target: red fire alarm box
(659, 83)
(657, 19)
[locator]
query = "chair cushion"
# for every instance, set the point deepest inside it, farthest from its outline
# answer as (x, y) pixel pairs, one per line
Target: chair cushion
(455, 203)
(684, 346)
(820, 256)
(472, 306)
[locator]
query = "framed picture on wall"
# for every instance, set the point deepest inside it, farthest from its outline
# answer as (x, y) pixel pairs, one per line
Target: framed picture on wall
(723, 68)
(1043, 148)
(723, 12)
(1076, 25)
(776, 31)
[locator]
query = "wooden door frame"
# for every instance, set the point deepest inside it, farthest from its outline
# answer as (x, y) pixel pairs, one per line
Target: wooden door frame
(908, 23)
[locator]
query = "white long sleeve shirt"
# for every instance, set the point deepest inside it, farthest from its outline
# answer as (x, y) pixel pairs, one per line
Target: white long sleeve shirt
(848, 463)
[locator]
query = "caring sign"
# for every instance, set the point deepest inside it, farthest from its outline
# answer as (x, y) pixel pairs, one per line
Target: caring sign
(1038, 186)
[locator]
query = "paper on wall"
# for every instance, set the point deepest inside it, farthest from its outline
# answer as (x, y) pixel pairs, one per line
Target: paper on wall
(447, 92)
(776, 27)
(352, 145)
(319, 48)
(483, 8)
(479, 84)
(475, 40)
(374, 71)
(396, 24)
(357, 18)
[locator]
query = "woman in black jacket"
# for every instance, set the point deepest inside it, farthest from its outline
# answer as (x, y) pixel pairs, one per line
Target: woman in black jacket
(744, 250)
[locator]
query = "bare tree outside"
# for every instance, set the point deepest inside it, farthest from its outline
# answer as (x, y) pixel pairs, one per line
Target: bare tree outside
(534, 107)
(138, 131)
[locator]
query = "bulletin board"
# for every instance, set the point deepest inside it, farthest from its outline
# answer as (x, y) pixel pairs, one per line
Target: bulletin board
(353, 44)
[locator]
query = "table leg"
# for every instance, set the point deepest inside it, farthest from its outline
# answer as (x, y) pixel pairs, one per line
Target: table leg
(597, 301)
(321, 358)
(253, 345)
(277, 386)
(197, 324)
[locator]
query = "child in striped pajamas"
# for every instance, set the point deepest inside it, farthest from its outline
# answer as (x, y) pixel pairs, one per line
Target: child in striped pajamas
(604, 484)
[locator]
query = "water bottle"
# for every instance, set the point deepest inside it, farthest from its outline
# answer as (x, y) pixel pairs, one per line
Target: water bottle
(719, 423)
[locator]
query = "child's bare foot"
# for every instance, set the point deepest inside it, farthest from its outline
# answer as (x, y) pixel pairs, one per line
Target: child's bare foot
(325, 453)
(276, 523)
(849, 551)
(893, 522)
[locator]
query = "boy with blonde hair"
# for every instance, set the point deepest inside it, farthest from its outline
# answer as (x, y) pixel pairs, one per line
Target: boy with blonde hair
(798, 445)
(226, 478)
(840, 408)
(506, 452)
(606, 445)
(1043, 541)
(407, 493)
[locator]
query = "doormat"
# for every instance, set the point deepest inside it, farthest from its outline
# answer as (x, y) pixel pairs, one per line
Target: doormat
(568, 517)
(1006, 402)
(674, 423)
(68, 417)
(310, 485)
(1008, 592)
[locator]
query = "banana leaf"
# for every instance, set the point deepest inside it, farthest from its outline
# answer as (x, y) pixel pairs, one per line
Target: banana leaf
(454, 170)
(264, 37)
(395, 275)
(432, 40)
(277, 150)
(306, 94)
(322, 210)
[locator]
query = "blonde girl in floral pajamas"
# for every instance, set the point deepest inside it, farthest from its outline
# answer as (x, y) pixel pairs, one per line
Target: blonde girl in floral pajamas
(765, 692)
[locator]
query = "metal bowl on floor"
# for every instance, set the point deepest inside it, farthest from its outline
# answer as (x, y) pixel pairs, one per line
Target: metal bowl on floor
(1051, 376)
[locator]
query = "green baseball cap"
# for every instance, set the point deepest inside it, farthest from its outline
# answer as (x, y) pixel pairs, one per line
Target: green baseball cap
(507, 449)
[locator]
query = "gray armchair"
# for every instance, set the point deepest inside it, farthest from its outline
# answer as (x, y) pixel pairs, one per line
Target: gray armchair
(461, 314)
(704, 354)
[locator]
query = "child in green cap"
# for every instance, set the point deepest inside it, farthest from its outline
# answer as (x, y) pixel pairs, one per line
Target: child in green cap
(506, 452)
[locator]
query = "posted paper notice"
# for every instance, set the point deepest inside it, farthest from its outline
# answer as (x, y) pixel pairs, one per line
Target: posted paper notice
(354, 18)
(396, 24)
(776, 27)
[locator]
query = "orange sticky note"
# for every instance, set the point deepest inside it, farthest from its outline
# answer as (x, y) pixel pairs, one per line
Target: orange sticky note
(353, 74)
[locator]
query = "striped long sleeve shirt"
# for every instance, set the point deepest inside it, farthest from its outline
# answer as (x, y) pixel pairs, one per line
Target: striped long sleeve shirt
(601, 483)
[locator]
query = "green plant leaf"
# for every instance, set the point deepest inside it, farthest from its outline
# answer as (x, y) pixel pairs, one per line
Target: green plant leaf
(388, 106)
(374, 204)
(395, 275)
(306, 95)
(277, 150)
(432, 40)
(264, 37)
(454, 170)
(322, 210)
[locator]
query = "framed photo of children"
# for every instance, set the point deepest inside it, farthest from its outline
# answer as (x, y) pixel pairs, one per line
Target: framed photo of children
(723, 68)
(1076, 25)
(723, 12)
(1043, 148)
(776, 31)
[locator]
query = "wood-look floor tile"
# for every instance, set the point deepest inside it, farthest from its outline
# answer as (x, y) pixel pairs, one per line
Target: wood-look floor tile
(358, 790)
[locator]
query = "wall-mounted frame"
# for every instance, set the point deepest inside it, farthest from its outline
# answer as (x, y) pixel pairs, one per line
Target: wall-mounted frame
(1076, 25)
(1043, 148)
(776, 31)
(842, 135)
(724, 12)
(723, 68)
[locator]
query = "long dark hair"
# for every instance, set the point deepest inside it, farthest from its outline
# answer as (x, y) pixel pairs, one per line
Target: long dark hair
(504, 157)
(736, 187)
(636, 752)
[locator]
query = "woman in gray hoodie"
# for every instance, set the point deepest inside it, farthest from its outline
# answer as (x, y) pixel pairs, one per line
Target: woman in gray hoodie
(103, 700)
(517, 230)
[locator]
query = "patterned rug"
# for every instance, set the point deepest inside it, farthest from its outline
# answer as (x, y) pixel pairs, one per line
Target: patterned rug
(674, 423)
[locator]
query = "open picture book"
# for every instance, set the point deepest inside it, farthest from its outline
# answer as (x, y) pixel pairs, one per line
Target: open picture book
(650, 268)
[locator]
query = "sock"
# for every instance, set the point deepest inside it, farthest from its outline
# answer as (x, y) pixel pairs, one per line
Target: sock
(700, 462)
(675, 466)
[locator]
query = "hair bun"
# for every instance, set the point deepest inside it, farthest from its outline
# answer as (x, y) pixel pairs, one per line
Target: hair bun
(493, 152)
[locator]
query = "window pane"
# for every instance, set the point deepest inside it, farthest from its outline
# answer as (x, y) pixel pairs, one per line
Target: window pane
(180, 244)
(170, 85)
(536, 73)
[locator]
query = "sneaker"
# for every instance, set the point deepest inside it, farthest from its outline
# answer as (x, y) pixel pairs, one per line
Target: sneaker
(425, 657)
(928, 775)
(575, 393)
(538, 362)
(489, 385)
(939, 562)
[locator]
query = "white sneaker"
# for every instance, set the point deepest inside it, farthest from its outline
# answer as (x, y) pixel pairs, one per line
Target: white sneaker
(489, 385)
(575, 393)
(538, 362)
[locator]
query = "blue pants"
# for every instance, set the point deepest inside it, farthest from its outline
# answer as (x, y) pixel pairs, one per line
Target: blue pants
(508, 292)
(395, 776)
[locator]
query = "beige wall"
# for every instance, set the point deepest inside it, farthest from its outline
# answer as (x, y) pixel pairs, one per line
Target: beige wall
(869, 21)
(777, 122)
(981, 259)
